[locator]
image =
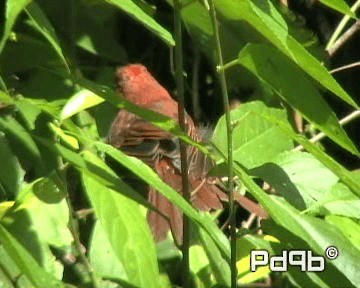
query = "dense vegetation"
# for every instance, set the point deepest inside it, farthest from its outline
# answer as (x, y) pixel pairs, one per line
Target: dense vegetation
(68, 220)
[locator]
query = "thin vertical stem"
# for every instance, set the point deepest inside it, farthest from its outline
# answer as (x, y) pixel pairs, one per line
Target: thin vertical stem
(61, 171)
(225, 97)
(184, 165)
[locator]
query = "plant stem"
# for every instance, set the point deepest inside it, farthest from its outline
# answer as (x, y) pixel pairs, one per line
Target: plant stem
(225, 97)
(345, 67)
(344, 38)
(341, 26)
(61, 170)
(183, 147)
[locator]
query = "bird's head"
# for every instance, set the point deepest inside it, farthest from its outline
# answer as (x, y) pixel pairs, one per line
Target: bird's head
(137, 85)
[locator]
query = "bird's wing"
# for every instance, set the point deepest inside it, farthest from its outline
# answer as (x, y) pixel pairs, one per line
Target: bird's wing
(139, 138)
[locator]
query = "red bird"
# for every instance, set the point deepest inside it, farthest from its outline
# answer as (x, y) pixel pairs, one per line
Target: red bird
(160, 150)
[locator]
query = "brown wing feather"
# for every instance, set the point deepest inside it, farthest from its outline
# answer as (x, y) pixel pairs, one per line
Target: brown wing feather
(160, 225)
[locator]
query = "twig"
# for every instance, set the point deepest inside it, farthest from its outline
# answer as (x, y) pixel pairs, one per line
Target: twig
(349, 66)
(225, 97)
(195, 85)
(246, 224)
(83, 213)
(298, 121)
(322, 135)
(343, 38)
(183, 153)
(341, 26)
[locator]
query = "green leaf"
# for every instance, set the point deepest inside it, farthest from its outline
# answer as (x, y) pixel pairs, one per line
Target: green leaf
(345, 176)
(253, 136)
(102, 256)
(43, 25)
(282, 76)
(199, 266)
(106, 176)
(315, 232)
(80, 101)
(38, 276)
(330, 277)
(39, 219)
(349, 227)
(140, 16)
(220, 268)
(13, 9)
(41, 205)
(339, 201)
(126, 229)
(263, 17)
(145, 173)
(299, 177)
(28, 111)
(339, 5)
(11, 177)
(11, 127)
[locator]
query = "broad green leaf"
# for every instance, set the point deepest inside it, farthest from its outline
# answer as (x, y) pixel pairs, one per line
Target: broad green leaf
(30, 109)
(339, 5)
(11, 127)
(130, 8)
(345, 176)
(81, 100)
(41, 23)
(219, 267)
(102, 256)
(263, 17)
(290, 84)
(299, 177)
(29, 112)
(39, 219)
(349, 227)
(13, 9)
(199, 267)
(126, 229)
(253, 137)
(106, 177)
(42, 206)
(12, 176)
(26, 263)
(317, 233)
(330, 277)
(339, 201)
(145, 173)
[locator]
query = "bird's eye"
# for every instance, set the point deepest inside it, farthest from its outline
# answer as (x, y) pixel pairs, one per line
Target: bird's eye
(127, 77)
